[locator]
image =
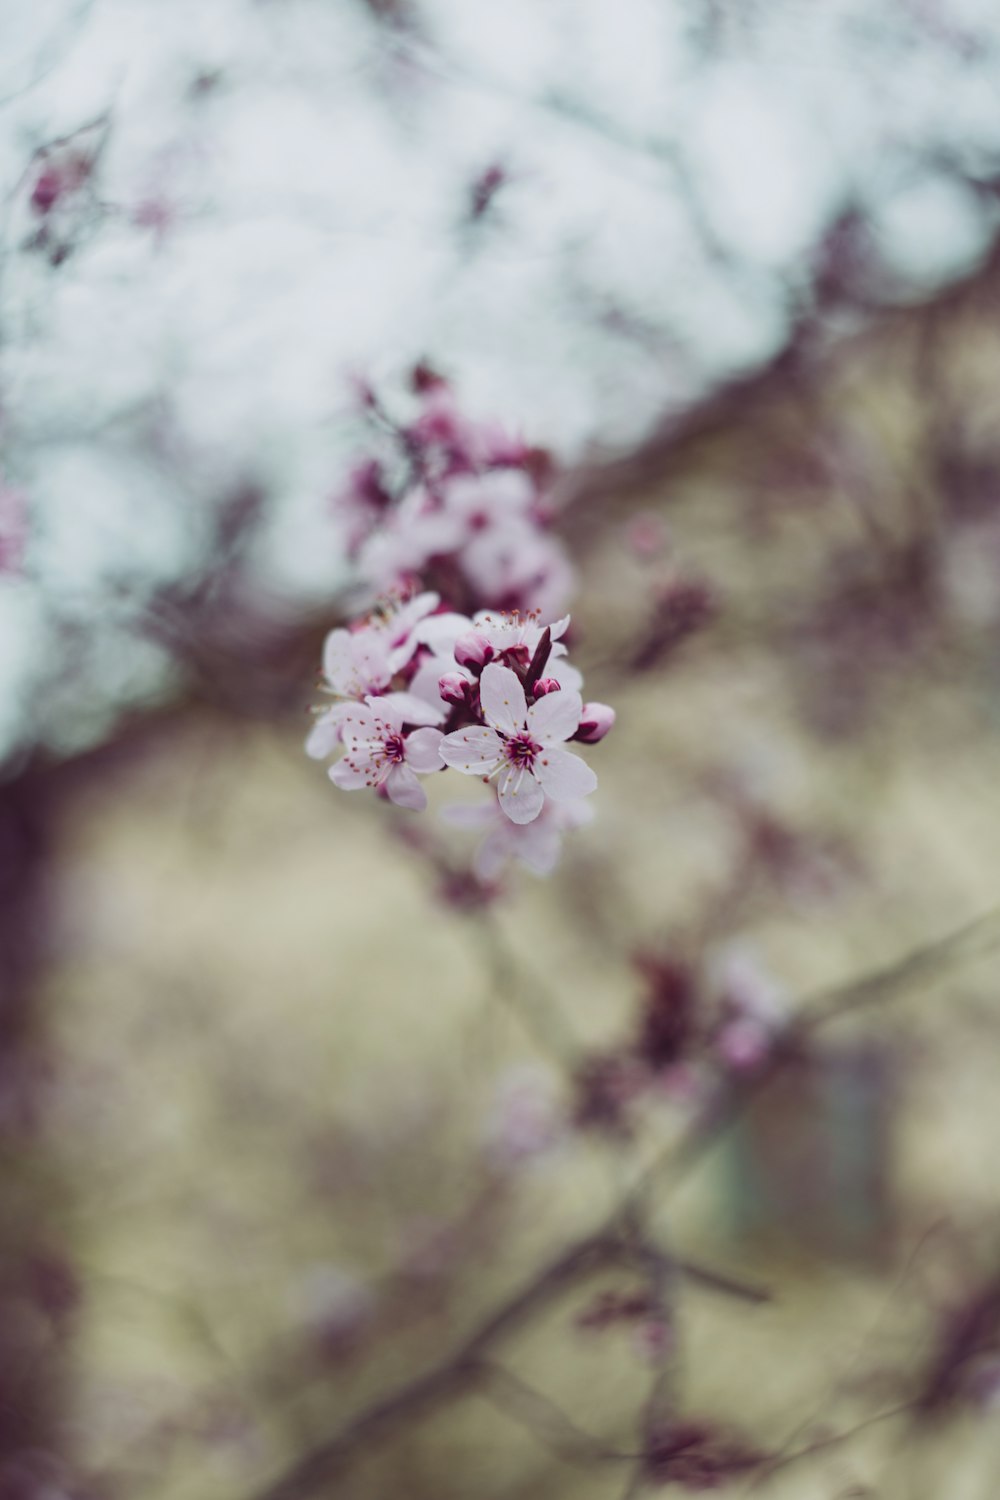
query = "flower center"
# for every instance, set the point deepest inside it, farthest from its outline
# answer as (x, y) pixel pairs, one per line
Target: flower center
(521, 750)
(393, 749)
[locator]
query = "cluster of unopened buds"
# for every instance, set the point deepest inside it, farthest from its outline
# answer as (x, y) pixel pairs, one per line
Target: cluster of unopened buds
(419, 690)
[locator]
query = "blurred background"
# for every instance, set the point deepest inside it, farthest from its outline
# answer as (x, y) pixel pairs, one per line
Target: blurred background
(329, 1166)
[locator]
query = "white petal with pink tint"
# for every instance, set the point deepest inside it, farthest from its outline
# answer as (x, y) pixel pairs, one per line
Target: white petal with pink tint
(521, 796)
(474, 751)
(405, 790)
(349, 777)
(324, 737)
(555, 717)
(503, 700)
(422, 750)
(413, 708)
(564, 776)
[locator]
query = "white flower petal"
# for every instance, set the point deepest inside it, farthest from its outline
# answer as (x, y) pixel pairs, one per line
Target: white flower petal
(440, 632)
(492, 855)
(350, 773)
(405, 790)
(538, 848)
(568, 678)
(324, 737)
(555, 717)
(337, 660)
(386, 713)
(422, 750)
(359, 722)
(564, 776)
(474, 751)
(521, 796)
(502, 697)
(413, 708)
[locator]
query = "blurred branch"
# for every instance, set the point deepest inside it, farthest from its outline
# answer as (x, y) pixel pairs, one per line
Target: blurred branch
(461, 1371)
(974, 940)
(539, 1415)
(921, 966)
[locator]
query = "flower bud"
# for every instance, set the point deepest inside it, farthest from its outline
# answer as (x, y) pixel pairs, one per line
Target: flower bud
(595, 721)
(452, 687)
(547, 685)
(473, 650)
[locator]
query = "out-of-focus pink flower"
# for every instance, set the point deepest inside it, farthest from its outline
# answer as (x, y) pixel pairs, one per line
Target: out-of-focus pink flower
(416, 531)
(520, 745)
(536, 845)
(518, 563)
(754, 1009)
(524, 1120)
(361, 503)
(646, 535)
(332, 1305)
(379, 754)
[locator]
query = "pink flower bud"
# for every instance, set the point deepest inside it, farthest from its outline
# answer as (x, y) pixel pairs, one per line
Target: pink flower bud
(452, 687)
(47, 191)
(473, 650)
(647, 535)
(547, 685)
(595, 721)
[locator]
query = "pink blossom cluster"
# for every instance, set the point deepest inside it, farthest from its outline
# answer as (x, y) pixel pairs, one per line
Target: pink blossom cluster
(454, 504)
(452, 509)
(419, 689)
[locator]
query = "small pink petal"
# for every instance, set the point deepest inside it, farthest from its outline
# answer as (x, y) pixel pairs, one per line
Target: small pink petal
(555, 717)
(349, 776)
(502, 697)
(469, 814)
(521, 797)
(474, 751)
(324, 737)
(492, 855)
(440, 632)
(564, 776)
(405, 790)
(412, 708)
(359, 723)
(386, 711)
(422, 750)
(337, 661)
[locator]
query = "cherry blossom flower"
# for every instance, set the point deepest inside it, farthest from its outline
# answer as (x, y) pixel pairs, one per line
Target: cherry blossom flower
(517, 561)
(520, 746)
(524, 1121)
(513, 638)
(360, 662)
(536, 845)
(754, 1009)
(378, 753)
(418, 529)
